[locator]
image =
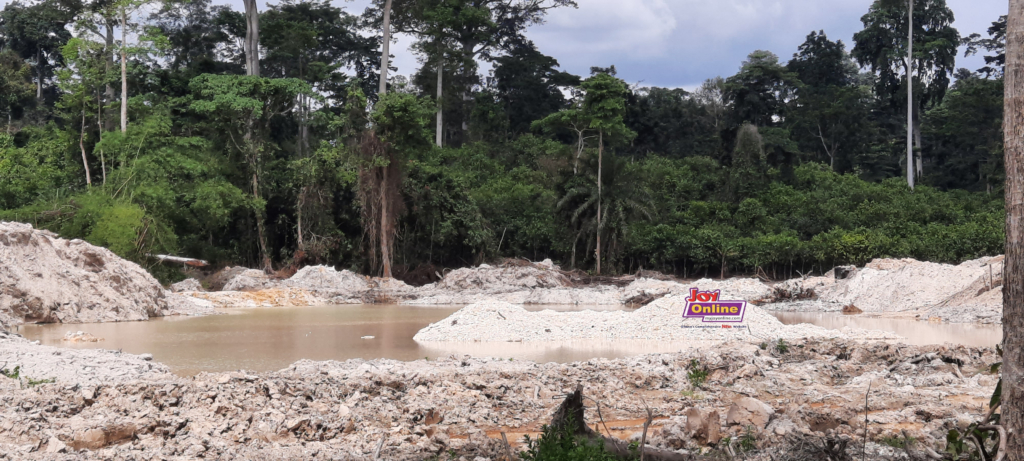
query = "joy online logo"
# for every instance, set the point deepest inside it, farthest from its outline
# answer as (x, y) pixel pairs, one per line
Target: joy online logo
(705, 305)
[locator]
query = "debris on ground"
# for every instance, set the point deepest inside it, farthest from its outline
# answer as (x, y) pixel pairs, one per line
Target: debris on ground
(764, 403)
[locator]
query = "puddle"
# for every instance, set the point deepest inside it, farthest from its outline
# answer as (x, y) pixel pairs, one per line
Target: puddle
(915, 331)
(270, 339)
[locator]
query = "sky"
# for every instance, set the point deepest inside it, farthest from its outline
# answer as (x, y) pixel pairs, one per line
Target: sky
(680, 43)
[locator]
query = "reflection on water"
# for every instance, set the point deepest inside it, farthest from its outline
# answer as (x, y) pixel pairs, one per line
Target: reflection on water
(273, 338)
(915, 332)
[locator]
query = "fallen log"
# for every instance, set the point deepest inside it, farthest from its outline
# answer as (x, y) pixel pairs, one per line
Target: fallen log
(571, 411)
(180, 260)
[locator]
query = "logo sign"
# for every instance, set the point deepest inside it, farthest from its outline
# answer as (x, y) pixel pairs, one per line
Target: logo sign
(706, 306)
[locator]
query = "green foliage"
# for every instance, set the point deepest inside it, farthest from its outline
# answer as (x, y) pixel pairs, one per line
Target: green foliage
(697, 374)
(899, 442)
(560, 444)
(14, 373)
(36, 382)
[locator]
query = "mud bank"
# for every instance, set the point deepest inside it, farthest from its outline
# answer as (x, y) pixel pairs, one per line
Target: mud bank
(970, 292)
(414, 410)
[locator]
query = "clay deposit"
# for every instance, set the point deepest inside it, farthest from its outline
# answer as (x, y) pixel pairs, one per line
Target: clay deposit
(383, 409)
(968, 292)
(44, 278)
(661, 320)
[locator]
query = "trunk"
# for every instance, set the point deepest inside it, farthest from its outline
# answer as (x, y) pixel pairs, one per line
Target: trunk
(298, 218)
(1012, 416)
(440, 116)
(917, 145)
(723, 266)
(385, 53)
(103, 167)
(99, 131)
(252, 38)
(600, 153)
(39, 74)
(81, 144)
(108, 49)
(385, 225)
(124, 74)
(910, 95)
(260, 227)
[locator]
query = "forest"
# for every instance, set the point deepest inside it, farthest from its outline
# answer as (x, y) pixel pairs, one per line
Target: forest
(270, 139)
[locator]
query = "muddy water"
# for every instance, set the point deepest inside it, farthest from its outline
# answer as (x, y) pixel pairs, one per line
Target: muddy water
(915, 332)
(273, 338)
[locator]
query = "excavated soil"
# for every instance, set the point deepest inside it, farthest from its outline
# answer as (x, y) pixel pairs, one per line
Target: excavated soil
(44, 278)
(415, 410)
(970, 292)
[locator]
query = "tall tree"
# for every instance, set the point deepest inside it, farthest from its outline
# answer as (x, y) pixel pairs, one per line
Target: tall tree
(1012, 415)
(759, 91)
(15, 84)
(252, 38)
(243, 107)
(831, 111)
(995, 44)
(529, 86)
(478, 29)
(884, 45)
(606, 103)
(37, 32)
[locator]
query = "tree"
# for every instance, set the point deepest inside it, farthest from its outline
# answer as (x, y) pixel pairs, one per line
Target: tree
(1012, 415)
(759, 92)
(883, 46)
(252, 38)
(15, 84)
(830, 113)
(243, 107)
(605, 102)
(609, 206)
(477, 28)
(37, 32)
(529, 86)
(399, 129)
(996, 44)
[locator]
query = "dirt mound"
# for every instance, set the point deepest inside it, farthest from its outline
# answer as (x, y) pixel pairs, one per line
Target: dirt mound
(44, 278)
(660, 320)
(511, 275)
(186, 285)
(968, 292)
(249, 279)
(326, 281)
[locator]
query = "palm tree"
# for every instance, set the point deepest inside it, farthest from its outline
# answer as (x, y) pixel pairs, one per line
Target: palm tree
(623, 200)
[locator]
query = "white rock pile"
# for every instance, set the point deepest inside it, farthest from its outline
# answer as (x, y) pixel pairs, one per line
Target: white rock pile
(968, 292)
(44, 278)
(660, 320)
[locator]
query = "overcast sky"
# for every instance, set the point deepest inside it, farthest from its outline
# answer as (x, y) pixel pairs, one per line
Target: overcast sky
(680, 43)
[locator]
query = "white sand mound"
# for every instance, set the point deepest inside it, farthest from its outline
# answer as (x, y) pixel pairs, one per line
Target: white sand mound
(326, 280)
(249, 279)
(660, 320)
(44, 278)
(505, 277)
(968, 292)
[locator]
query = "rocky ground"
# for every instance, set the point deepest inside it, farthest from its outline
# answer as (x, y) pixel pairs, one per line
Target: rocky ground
(776, 400)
